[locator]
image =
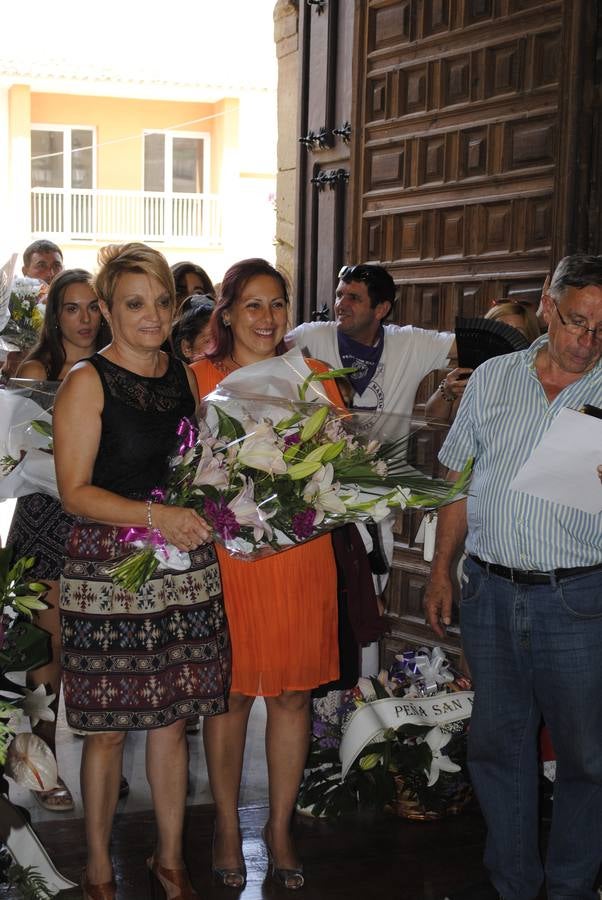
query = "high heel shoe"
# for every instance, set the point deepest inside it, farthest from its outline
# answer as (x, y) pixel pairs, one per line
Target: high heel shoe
(104, 891)
(232, 877)
(291, 879)
(175, 882)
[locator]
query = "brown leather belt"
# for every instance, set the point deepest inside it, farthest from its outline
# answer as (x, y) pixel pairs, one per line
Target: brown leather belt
(520, 576)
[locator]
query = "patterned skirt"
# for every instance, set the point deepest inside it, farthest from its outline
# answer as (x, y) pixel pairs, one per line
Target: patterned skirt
(40, 528)
(134, 661)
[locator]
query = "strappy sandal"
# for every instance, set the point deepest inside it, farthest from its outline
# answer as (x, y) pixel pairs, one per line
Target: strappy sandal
(58, 799)
(291, 879)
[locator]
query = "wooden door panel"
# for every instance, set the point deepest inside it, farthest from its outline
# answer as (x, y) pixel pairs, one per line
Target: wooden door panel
(469, 130)
(455, 179)
(326, 36)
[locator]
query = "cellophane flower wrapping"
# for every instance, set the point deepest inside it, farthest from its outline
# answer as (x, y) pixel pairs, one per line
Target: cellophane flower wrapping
(26, 460)
(269, 474)
(428, 762)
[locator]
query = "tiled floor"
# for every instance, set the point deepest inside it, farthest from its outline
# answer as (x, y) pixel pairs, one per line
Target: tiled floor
(69, 747)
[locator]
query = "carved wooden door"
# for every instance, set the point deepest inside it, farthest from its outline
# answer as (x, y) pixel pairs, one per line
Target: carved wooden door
(471, 174)
(473, 159)
(326, 41)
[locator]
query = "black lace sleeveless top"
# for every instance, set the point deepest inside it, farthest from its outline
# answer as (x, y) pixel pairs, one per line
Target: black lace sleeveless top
(139, 423)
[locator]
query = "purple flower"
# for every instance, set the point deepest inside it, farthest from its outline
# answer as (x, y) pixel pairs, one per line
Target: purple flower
(222, 519)
(303, 523)
(319, 728)
(291, 439)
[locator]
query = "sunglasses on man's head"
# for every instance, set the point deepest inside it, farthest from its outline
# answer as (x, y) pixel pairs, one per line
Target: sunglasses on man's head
(376, 277)
(360, 273)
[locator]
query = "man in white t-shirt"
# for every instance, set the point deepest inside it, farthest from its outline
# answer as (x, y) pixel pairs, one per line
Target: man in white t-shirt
(391, 360)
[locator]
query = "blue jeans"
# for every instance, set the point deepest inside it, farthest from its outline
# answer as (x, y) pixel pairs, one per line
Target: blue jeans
(536, 651)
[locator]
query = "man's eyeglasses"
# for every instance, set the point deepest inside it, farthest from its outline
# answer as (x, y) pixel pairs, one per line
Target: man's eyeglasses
(575, 328)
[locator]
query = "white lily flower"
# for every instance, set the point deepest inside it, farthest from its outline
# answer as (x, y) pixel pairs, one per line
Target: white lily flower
(322, 494)
(437, 739)
(31, 763)
(210, 470)
(247, 512)
(36, 705)
(260, 451)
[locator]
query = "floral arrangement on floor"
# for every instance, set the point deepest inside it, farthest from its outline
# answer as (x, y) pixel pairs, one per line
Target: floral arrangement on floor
(27, 311)
(396, 741)
(23, 646)
(267, 474)
(24, 757)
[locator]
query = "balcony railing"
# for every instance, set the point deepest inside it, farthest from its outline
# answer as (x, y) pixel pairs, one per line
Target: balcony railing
(104, 216)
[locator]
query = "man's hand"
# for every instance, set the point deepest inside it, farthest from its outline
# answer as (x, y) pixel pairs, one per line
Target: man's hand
(600, 472)
(438, 599)
(454, 383)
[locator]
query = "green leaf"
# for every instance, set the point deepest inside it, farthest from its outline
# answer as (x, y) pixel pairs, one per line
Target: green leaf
(44, 428)
(285, 424)
(323, 376)
(228, 428)
(29, 884)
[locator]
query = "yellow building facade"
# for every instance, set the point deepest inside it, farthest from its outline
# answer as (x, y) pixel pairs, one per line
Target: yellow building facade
(89, 159)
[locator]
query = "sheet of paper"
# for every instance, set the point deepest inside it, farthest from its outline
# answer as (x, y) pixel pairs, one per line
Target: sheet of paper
(562, 468)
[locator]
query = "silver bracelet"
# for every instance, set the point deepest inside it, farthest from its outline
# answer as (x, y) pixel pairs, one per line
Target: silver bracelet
(149, 514)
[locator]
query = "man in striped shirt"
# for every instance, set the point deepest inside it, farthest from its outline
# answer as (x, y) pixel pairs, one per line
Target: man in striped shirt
(531, 610)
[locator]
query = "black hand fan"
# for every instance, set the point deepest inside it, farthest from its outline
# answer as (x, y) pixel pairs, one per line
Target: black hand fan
(480, 339)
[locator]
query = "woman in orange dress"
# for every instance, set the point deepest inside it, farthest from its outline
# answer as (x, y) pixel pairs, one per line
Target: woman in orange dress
(282, 610)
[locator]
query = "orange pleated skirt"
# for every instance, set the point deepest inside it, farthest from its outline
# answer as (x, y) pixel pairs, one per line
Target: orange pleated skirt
(282, 609)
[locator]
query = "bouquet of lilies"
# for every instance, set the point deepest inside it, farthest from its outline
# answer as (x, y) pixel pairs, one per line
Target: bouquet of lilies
(267, 474)
(24, 756)
(396, 741)
(27, 311)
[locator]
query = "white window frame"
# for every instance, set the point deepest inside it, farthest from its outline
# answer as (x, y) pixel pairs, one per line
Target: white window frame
(67, 150)
(168, 163)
